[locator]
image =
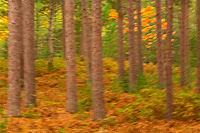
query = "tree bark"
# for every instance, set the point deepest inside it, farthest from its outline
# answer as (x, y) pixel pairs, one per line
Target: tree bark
(22, 49)
(70, 56)
(63, 29)
(97, 63)
(182, 44)
(139, 38)
(50, 39)
(131, 45)
(121, 69)
(160, 54)
(29, 64)
(169, 82)
(198, 45)
(187, 32)
(86, 38)
(14, 42)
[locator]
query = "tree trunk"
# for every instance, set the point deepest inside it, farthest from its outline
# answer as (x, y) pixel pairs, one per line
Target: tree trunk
(29, 64)
(50, 39)
(169, 82)
(86, 42)
(131, 45)
(63, 29)
(22, 49)
(187, 32)
(198, 45)
(121, 71)
(70, 56)
(182, 44)
(139, 37)
(160, 54)
(14, 42)
(97, 63)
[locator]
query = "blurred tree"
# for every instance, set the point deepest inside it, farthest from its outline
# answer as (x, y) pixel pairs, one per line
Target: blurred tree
(121, 58)
(169, 82)
(131, 44)
(70, 56)
(29, 60)
(98, 104)
(14, 42)
(159, 41)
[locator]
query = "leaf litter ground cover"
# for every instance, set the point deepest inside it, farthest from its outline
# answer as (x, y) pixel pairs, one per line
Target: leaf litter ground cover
(143, 112)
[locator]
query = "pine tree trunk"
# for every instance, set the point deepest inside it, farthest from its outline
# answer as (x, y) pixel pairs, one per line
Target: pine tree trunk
(86, 42)
(97, 63)
(198, 45)
(139, 38)
(182, 44)
(131, 45)
(14, 41)
(70, 56)
(169, 82)
(50, 39)
(63, 29)
(160, 54)
(29, 64)
(187, 32)
(22, 49)
(121, 71)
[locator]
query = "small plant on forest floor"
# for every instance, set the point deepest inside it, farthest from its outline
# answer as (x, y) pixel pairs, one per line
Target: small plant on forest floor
(110, 121)
(61, 130)
(31, 113)
(3, 122)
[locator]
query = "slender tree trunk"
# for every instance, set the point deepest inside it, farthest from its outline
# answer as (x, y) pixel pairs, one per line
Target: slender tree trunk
(63, 29)
(86, 42)
(121, 71)
(187, 32)
(50, 39)
(29, 64)
(14, 42)
(70, 56)
(131, 45)
(182, 44)
(160, 54)
(169, 82)
(97, 63)
(22, 49)
(139, 37)
(198, 45)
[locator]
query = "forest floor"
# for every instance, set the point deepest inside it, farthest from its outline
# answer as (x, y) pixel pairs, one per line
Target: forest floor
(142, 112)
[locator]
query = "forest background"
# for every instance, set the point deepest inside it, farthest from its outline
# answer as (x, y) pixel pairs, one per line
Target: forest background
(145, 107)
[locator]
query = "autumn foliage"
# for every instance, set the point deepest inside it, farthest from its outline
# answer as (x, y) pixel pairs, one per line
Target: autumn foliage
(148, 24)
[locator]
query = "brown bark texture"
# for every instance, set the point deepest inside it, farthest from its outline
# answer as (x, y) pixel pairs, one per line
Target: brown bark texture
(139, 38)
(121, 69)
(29, 63)
(131, 46)
(97, 63)
(63, 29)
(14, 42)
(159, 44)
(86, 37)
(70, 56)
(183, 44)
(50, 39)
(198, 45)
(21, 48)
(187, 32)
(169, 81)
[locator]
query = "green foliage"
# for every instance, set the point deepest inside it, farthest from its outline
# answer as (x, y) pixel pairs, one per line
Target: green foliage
(61, 130)
(31, 113)
(109, 121)
(3, 122)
